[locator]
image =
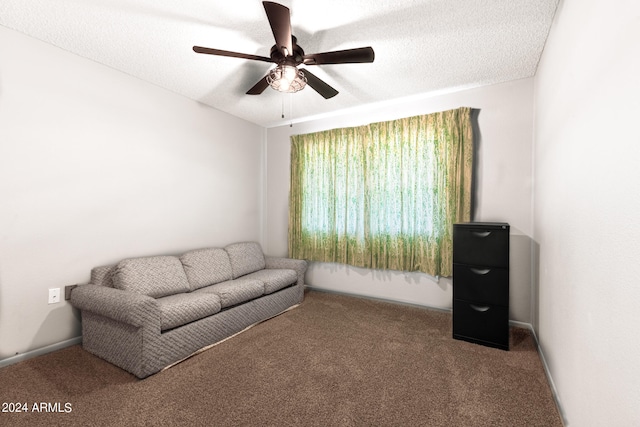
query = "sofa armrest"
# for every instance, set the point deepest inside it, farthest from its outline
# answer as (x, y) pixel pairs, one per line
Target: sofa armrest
(127, 307)
(299, 265)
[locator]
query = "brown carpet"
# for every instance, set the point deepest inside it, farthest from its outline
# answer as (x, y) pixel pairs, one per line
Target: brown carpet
(333, 361)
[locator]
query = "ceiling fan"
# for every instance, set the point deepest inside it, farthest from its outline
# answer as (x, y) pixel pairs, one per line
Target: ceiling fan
(288, 55)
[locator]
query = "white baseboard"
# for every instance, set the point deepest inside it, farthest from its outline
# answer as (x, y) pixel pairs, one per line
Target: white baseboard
(547, 372)
(39, 352)
(376, 298)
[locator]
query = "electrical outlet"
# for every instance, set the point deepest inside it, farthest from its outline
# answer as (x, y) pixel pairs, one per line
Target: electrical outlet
(54, 296)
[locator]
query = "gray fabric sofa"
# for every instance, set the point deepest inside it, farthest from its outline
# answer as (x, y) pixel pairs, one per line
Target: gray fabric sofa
(144, 314)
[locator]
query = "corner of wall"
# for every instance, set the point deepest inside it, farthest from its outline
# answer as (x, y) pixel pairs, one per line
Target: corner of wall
(264, 190)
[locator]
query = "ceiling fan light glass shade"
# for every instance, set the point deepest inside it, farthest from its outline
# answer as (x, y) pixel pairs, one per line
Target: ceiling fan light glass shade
(286, 78)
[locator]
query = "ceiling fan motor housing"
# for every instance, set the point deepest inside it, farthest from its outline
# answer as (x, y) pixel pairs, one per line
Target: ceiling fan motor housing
(295, 59)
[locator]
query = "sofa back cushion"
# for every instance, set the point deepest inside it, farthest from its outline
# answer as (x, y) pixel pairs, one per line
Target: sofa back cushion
(156, 276)
(103, 275)
(205, 267)
(245, 258)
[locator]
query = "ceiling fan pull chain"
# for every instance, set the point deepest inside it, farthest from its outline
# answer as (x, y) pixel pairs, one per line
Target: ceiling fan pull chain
(291, 109)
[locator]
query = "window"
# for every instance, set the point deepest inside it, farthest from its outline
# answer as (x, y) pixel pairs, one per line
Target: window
(384, 195)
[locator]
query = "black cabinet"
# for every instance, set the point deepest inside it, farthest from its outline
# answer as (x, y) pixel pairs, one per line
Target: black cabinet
(481, 283)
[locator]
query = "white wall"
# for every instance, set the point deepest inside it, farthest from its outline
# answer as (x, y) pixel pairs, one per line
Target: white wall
(587, 172)
(96, 166)
(504, 192)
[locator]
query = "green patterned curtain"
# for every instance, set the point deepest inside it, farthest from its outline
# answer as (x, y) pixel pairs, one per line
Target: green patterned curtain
(382, 196)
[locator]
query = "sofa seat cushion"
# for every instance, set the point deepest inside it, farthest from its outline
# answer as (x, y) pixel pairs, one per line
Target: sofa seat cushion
(157, 276)
(233, 292)
(180, 309)
(205, 267)
(245, 257)
(274, 279)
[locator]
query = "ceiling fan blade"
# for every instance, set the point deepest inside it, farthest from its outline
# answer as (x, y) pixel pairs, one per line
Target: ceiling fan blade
(349, 56)
(280, 21)
(210, 51)
(319, 86)
(259, 87)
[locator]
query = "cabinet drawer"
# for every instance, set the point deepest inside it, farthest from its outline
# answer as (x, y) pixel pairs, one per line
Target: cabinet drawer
(482, 285)
(481, 246)
(482, 324)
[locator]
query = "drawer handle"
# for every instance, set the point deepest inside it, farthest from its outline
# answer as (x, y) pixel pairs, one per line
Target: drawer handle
(480, 308)
(481, 233)
(480, 271)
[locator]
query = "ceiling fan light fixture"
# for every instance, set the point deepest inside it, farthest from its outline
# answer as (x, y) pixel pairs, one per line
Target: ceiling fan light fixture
(286, 78)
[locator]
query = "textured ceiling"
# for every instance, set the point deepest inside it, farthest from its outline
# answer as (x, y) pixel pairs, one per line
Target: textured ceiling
(420, 46)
